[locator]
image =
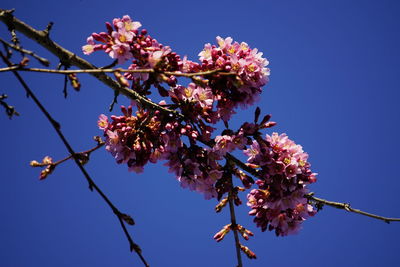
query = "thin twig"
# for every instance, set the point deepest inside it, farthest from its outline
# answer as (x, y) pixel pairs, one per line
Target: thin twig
(242, 165)
(112, 65)
(85, 153)
(234, 226)
(42, 60)
(10, 110)
(11, 68)
(231, 199)
(121, 216)
(347, 207)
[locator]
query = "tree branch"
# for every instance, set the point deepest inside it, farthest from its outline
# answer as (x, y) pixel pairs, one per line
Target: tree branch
(121, 216)
(346, 206)
(234, 226)
(80, 155)
(42, 60)
(10, 110)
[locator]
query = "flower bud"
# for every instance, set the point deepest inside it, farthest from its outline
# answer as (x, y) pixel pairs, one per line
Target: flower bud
(268, 125)
(24, 62)
(246, 180)
(250, 254)
(221, 204)
(98, 140)
(74, 81)
(244, 232)
(253, 166)
(44, 173)
(121, 79)
(257, 114)
(128, 219)
(34, 163)
(221, 234)
(47, 160)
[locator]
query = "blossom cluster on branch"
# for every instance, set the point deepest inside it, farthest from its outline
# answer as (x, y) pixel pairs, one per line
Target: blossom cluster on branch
(179, 129)
(279, 202)
(228, 75)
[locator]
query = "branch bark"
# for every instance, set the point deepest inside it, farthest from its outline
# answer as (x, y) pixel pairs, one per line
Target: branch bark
(347, 207)
(234, 226)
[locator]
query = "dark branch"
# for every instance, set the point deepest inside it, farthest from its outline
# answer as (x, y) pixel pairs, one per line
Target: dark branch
(234, 225)
(83, 157)
(346, 206)
(10, 110)
(121, 216)
(42, 60)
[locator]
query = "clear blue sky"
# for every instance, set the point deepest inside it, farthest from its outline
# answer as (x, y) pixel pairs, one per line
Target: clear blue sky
(334, 89)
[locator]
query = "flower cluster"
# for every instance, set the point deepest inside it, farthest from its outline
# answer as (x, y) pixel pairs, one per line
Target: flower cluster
(149, 137)
(218, 95)
(196, 102)
(229, 75)
(280, 204)
(247, 63)
(116, 42)
(229, 142)
(123, 42)
(135, 140)
(197, 169)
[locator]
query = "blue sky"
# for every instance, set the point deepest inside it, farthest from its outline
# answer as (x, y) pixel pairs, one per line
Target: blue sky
(334, 89)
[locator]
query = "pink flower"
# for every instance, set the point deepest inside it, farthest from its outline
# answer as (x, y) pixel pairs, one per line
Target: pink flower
(126, 24)
(102, 122)
(223, 144)
(139, 76)
(123, 36)
(225, 44)
(206, 53)
(204, 96)
(188, 66)
(120, 51)
(156, 56)
(89, 48)
(252, 152)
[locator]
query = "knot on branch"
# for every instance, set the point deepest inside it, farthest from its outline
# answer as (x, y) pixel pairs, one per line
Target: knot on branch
(46, 31)
(347, 207)
(10, 110)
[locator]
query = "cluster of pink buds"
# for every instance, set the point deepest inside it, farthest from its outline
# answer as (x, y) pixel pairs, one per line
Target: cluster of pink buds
(280, 203)
(149, 137)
